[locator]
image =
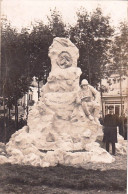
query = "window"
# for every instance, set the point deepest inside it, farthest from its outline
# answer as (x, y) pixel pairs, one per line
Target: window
(117, 110)
(30, 97)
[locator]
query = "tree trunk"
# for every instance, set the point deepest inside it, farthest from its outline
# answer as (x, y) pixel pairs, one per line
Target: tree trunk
(89, 70)
(121, 99)
(16, 115)
(5, 129)
(9, 113)
(101, 94)
(27, 106)
(38, 90)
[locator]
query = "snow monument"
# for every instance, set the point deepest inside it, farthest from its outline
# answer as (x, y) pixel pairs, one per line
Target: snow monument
(58, 129)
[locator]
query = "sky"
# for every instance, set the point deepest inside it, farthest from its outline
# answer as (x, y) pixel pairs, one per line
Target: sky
(22, 12)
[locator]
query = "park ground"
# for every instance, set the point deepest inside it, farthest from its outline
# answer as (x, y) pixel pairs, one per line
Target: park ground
(92, 179)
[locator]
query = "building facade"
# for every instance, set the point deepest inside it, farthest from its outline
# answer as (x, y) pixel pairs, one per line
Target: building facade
(116, 95)
(32, 96)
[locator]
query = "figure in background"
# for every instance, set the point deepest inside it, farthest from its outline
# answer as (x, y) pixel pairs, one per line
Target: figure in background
(111, 121)
(123, 126)
(90, 101)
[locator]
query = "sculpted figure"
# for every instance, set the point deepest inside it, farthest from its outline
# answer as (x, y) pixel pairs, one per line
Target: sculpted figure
(64, 60)
(90, 100)
(63, 53)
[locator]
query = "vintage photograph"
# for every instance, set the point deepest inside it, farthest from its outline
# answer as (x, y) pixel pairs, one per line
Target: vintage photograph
(63, 96)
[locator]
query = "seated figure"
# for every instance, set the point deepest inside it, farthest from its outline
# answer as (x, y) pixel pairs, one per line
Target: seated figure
(89, 98)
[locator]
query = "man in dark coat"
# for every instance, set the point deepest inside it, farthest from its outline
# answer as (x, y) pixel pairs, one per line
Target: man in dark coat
(125, 128)
(111, 121)
(121, 125)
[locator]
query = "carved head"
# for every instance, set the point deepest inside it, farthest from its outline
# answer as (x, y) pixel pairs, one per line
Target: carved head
(64, 60)
(63, 53)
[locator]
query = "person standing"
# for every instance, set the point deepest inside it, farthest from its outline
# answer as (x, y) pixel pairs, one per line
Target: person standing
(125, 128)
(111, 121)
(121, 125)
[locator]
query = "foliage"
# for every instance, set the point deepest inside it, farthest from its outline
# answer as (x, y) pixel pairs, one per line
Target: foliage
(92, 36)
(41, 38)
(26, 55)
(56, 24)
(119, 51)
(14, 63)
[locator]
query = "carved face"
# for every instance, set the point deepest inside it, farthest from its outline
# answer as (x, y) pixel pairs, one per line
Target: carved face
(64, 60)
(84, 87)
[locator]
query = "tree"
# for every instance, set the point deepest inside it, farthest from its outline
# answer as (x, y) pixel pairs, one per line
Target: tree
(15, 79)
(119, 51)
(92, 35)
(56, 24)
(41, 39)
(119, 54)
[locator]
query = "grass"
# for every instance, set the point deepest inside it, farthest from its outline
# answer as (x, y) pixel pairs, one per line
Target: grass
(28, 179)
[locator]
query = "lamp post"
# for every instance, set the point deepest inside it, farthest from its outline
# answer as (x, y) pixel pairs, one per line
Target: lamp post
(120, 74)
(121, 97)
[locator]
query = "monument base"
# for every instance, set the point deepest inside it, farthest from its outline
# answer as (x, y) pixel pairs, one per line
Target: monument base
(52, 149)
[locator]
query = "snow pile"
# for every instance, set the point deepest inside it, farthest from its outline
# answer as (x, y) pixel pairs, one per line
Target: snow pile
(121, 146)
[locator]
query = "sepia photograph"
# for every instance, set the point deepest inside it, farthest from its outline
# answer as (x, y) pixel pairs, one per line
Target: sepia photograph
(63, 96)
